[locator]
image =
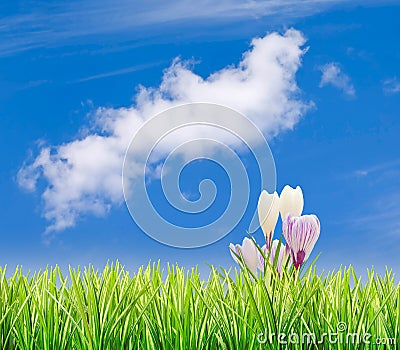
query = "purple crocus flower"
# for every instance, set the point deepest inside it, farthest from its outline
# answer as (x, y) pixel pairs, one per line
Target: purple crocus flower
(249, 252)
(301, 234)
(282, 257)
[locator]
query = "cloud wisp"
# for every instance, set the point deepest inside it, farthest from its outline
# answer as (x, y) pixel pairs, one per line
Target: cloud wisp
(381, 168)
(391, 86)
(83, 176)
(332, 74)
(68, 23)
(118, 72)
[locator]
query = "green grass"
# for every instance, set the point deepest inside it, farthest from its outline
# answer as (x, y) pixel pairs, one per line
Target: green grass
(176, 309)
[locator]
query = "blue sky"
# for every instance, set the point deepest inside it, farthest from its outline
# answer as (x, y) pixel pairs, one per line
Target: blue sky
(62, 63)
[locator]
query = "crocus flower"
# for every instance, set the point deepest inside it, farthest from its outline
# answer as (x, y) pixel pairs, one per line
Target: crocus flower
(248, 251)
(301, 234)
(291, 201)
(282, 257)
(268, 212)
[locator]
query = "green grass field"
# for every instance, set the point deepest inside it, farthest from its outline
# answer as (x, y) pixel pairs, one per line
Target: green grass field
(177, 309)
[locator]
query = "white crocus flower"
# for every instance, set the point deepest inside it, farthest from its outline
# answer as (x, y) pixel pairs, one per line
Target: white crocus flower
(248, 251)
(268, 212)
(291, 202)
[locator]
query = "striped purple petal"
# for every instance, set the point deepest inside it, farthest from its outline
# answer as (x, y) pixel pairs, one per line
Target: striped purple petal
(301, 234)
(282, 257)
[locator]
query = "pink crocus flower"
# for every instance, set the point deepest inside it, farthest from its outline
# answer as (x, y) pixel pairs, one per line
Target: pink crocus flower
(301, 234)
(248, 251)
(282, 259)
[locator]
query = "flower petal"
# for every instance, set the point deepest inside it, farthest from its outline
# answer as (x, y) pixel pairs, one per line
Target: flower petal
(291, 201)
(248, 251)
(268, 212)
(282, 257)
(250, 254)
(301, 234)
(233, 249)
(261, 257)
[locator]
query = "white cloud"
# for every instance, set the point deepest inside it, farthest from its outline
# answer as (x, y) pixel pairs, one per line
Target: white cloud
(391, 86)
(332, 75)
(84, 176)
